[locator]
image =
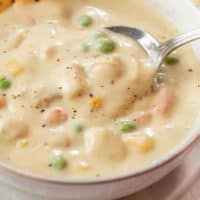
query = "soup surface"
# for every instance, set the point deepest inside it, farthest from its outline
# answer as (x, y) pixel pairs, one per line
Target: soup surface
(77, 101)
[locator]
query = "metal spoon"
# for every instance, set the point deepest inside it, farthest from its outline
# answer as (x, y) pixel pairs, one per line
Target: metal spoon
(156, 50)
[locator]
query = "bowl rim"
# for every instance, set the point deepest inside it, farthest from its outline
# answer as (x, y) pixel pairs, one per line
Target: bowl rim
(170, 157)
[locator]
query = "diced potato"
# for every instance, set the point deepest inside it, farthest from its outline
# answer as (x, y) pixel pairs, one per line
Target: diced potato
(14, 130)
(76, 81)
(165, 101)
(4, 4)
(129, 140)
(59, 141)
(104, 144)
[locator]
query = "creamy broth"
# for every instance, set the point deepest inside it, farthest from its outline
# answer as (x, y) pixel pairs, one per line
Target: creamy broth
(77, 101)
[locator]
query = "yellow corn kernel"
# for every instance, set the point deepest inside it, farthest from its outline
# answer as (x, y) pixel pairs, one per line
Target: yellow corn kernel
(96, 102)
(22, 144)
(14, 67)
(23, 1)
(11, 62)
(16, 72)
(143, 143)
(5, 4)
(84, 166)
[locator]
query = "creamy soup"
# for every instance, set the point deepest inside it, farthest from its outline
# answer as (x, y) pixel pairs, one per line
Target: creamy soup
(77, 101)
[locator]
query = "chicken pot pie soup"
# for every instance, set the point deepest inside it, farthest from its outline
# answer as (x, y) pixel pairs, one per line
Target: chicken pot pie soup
(77, 101)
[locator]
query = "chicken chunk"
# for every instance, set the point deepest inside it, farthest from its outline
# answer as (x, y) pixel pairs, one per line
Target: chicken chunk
(14, 130)
(47, 100)
(76, 81)
(59, 141)
(106, 71)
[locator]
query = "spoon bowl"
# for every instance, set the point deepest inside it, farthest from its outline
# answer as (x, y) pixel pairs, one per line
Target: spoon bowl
(156, 50)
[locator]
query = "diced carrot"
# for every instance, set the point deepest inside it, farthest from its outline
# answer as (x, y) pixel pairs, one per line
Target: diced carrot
(165, 101)
(142, 118)
(29, 20)
(2, 101)
(55, 117)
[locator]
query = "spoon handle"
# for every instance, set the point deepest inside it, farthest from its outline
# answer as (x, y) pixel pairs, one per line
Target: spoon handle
(170, 45)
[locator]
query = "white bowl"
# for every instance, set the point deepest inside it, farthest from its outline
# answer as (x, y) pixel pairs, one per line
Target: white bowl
(183, 13)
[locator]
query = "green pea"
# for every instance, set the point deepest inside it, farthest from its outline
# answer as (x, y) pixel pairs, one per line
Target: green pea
(84, 47)
(161, 78)
(58, 162)
(163, 69)
(126, 126)
(5, 84)
(78, 127)
(171, 60)
(85, 21)
(105, 45)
